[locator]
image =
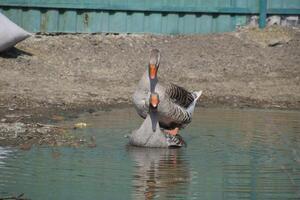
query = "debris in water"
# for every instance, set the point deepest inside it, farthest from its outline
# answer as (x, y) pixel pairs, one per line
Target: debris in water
(26, 146)
(92, 144)
(56, 154)
(58, 118)
(80, 125)
(19, 197)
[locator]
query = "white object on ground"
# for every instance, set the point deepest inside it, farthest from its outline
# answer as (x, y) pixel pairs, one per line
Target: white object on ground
(290, 21)
(10, 33)
(274, 20)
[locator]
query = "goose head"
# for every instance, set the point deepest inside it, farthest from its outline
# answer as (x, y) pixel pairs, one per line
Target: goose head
(154, 63)
(153, 101)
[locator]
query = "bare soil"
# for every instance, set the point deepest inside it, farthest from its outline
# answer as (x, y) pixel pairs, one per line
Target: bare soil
(50, 75)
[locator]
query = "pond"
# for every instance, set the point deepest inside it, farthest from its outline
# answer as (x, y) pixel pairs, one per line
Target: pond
(231, 154)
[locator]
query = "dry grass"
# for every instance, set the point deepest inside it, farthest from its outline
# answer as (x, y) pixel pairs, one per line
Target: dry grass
(270, 36)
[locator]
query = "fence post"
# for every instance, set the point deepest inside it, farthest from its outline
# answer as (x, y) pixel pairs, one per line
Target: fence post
(262, 13)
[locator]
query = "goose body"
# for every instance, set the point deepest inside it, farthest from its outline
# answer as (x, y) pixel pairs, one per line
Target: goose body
(176, 103)
(149, 134)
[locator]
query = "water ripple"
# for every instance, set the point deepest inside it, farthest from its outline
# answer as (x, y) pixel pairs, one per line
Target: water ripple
(231, 154)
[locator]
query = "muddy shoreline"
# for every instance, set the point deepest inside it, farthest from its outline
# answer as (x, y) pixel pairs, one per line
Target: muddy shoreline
(46, 76)
(25, 127)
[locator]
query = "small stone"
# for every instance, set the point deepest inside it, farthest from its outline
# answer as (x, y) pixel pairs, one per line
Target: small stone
(42, 130)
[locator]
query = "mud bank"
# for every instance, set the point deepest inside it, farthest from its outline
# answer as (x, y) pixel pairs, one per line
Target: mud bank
(50, 74)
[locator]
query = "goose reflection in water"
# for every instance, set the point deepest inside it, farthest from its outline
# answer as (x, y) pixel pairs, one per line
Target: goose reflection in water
(159, 173)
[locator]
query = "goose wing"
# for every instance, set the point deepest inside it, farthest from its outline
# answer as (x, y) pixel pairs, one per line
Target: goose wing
(179, 95)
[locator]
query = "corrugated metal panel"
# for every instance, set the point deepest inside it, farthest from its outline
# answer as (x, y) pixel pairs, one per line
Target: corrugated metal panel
(135, 16)
(284, 4)
(284, 7)
(184, 6)
(70, 21)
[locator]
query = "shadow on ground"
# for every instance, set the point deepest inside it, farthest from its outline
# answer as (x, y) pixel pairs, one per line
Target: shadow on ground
(14, 53)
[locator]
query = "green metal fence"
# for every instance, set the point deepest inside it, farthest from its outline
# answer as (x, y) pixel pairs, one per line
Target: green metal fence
(141, 16)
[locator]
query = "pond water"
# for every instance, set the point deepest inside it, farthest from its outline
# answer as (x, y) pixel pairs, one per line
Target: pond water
(231, 154)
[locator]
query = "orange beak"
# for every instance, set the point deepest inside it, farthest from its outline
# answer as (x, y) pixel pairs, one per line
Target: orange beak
(153, 71)
(154, 101)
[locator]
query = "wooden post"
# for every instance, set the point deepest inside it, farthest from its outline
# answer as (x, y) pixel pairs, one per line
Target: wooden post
(262, 13)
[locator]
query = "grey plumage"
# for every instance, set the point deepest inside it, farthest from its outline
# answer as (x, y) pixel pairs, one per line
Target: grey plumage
(176, 103)
(145, 136)
(180, 95)
(175, 108)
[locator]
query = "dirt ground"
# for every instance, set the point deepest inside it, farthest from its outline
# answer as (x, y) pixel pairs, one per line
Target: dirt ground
(52, 75)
